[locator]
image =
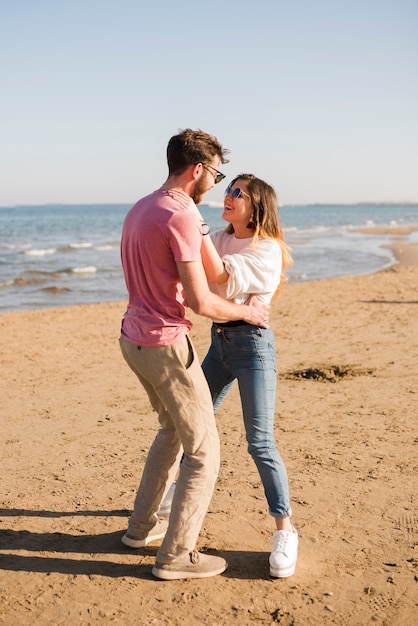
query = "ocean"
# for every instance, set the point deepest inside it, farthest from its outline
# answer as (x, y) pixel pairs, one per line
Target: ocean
(59, 255)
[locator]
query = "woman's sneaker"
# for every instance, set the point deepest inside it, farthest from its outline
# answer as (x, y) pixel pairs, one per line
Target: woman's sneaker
(192, 565)
(165, 506)
(284, 554)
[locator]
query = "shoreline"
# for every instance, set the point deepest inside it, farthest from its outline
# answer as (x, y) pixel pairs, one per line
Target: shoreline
(404, 253)
(388, 230)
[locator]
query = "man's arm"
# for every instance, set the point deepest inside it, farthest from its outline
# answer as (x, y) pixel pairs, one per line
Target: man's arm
(203, 302)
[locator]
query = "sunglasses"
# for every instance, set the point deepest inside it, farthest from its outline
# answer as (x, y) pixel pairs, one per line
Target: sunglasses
(236, 193)
(218, 176)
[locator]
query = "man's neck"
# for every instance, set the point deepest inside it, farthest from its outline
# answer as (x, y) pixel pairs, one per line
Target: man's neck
(178, 183)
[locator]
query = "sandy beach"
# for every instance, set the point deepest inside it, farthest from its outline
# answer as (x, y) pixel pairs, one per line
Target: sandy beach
(76, 427)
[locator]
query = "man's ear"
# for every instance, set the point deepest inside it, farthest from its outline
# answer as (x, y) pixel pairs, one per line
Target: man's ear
(197, 170)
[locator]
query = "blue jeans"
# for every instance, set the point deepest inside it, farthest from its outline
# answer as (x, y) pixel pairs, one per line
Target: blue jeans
(247, 353)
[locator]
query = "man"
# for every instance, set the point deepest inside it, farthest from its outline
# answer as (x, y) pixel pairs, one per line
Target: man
(160, 251)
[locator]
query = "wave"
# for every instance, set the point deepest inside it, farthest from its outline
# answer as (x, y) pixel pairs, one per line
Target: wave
(22, 282)
(105, 247)
(37, 277)
(40, 252)
(16, 246)
(89, 269)
(345, 228)
(55, 289)
(86, 244)
(86, 269)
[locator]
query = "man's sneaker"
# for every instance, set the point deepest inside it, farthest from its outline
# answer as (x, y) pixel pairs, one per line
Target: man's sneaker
(193, 565)
(284, 554)
(157, 532)
(165, 506)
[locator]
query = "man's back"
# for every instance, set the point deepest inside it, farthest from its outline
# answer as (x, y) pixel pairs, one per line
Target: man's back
(158, 231)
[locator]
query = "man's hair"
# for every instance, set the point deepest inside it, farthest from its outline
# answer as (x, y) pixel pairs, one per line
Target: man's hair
(190, 147)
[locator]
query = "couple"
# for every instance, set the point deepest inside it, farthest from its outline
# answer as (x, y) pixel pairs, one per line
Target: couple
(168, 258)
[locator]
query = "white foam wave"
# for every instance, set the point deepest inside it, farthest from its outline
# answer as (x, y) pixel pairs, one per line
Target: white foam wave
(86, 244)
(89, 269)
(41, 252)
(17, 246)
(373, 224)
(105, 247)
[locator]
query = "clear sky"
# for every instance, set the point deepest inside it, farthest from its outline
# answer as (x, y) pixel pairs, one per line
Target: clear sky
(319, 98)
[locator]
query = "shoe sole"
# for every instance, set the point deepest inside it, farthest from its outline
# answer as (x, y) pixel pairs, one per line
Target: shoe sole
(140, 543)
(165, 574)
(284, 573)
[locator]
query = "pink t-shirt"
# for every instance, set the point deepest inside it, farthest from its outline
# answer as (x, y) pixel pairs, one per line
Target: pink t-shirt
(158, 231)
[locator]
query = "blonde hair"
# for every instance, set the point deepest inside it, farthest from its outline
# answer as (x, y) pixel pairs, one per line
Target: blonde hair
(265, 219)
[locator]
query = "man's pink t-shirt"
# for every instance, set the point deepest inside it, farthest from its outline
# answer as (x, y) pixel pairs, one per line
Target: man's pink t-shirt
(158, 231)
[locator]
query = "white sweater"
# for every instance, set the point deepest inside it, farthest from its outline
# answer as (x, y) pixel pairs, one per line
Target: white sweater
(252, 268)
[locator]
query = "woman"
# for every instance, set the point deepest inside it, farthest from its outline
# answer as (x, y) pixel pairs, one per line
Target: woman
(248, 259)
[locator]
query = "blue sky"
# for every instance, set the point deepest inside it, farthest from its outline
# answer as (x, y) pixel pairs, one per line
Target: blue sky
(319, 98)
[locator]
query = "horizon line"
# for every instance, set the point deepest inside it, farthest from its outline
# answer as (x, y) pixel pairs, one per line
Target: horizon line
(214, 204)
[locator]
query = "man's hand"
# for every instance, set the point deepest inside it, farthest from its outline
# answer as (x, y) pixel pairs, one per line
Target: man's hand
(257, 313)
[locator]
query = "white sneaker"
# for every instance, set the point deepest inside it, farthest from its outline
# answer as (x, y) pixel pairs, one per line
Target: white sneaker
(284, 554)
(165, 506)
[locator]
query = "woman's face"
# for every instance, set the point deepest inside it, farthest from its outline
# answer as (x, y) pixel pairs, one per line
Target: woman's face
(238, 209)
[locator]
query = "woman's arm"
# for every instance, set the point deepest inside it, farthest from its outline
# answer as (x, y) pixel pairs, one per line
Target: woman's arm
(214, 268)
(253, 270)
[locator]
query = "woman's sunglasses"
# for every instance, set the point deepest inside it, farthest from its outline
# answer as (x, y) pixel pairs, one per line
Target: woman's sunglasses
(236, 193)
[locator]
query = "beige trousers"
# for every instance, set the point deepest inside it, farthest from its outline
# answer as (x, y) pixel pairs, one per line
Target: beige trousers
(178, 391)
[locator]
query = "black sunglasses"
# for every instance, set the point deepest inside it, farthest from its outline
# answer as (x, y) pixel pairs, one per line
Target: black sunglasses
(218, 176)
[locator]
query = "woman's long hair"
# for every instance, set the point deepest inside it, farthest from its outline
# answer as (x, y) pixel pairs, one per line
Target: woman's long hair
(265, 218)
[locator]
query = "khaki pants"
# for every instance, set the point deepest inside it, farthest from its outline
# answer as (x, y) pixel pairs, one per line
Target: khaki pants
(178, 391)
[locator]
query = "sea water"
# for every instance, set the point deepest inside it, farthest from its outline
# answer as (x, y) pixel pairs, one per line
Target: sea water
(58, 255)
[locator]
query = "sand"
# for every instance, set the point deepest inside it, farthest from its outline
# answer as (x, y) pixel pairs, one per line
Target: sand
(76, 427)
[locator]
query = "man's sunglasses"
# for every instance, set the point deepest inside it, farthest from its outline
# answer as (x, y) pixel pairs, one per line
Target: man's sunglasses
(236, 193)
(218, 176)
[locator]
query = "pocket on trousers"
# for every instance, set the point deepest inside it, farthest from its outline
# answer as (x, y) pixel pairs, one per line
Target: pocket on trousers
(190, 356)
